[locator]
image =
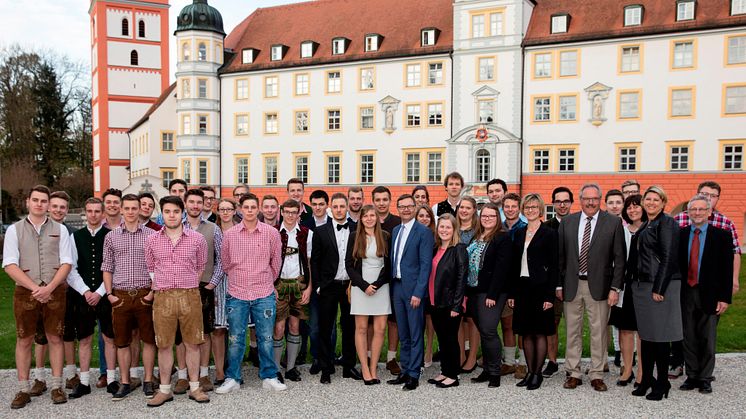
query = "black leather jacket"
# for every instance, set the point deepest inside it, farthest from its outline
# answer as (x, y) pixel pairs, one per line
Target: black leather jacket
(657, 252)
(450, 278)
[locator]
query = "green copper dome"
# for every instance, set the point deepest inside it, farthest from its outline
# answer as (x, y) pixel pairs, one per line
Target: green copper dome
(199, 16)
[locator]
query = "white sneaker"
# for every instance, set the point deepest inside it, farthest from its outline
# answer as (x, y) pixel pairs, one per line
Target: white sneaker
(273, 384)
(228, 386)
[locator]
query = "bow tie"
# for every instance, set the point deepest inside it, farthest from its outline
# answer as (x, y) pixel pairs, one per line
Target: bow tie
(341, 226)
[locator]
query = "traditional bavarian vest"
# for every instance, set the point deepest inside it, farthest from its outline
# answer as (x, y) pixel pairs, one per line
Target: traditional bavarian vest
(302, 238)
(90, 255)
(207, 229)
(39, 252)
(444, 207)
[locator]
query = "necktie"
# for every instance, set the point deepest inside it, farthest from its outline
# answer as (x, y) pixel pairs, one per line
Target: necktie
(341, 226)
(396, 251)
(694, 260)
(585, 245)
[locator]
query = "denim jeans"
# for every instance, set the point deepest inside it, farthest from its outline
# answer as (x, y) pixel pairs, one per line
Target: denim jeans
(101, 351)
(262, 311)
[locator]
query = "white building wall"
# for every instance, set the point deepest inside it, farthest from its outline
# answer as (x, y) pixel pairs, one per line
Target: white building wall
(125, 114)
(134, 82)
(149, 56)
(114, 22)
(152, 26)
(119, 177)
(118, 145)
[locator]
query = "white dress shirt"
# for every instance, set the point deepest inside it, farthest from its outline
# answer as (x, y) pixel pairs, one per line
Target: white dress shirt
(581, 229)
(401, 239)
(341, 236)
(12, 254)
(291, 265)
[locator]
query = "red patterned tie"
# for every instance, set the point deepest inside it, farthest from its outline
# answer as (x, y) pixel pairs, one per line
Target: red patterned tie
(694, 260)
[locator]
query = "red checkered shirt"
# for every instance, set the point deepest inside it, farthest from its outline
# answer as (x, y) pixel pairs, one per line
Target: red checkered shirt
(718, 220)
(252, 260)
(176, 266)
(124, 257)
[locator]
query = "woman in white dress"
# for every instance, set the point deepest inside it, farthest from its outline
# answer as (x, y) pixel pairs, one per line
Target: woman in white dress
(368, 266)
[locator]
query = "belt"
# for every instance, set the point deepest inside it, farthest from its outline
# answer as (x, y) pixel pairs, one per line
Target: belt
(583, 277)
(298, 278)
(131, 293)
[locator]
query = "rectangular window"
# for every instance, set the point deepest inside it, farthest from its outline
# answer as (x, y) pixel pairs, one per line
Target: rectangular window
(202, 88)
(271, 124)
(247, 56)
(737, 49)
(306, 49)
(735, 100)
(203, 124)
(542, 109)
(202, 172)
(271, 86)
(186, 171)
(682, 102)
(630, 59)
(477, 26)
(541, 160)
(487, 69)
(333, 168)
(435, 114)
(302, 84)
(685, 10)
(338, 46)
(167, 176)
(167, 141)
(366, 118)
(301, 122)
(242, 124)
(496, 24)
(559, 24)
(435, 73)
(629, 105)
(367, 78)
(733, 157)
(737, 7)
(568, 106)
(333, 82)
(413, 75)
(186, 125)
(413, 167)
(242, 170)
(679, 157)
(301, 168)
(186, 88)
(434, 166)
(270, 170)
(367, 168)
(486, 111)
(568, 63)
(428, 37)
(242, 89)
(683, 54)
(276, 53)
(333, 120)
(414, 114)
(632, 16)
(371, 43)
(543, 65)
(628, 159)
(566, 159)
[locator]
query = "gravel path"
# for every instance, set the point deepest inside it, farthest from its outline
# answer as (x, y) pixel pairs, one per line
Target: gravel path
(347, 398)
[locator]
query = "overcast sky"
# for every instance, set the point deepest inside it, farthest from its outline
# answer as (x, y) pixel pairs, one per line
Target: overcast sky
(62, 25)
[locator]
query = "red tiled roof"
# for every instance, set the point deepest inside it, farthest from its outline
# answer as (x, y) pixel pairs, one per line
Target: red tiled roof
(154, 106)
(602, 19)
(398, 21)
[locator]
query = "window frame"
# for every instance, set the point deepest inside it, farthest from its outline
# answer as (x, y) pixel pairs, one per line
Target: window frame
(406, 75)
(559, 118)
(364, 154)
(534, 60)
(236, 124)
(295, 121)
(328, 73)
(236, 176)
(360, 79)
(726, 87)
(480, 175)
(407, 114)
(327, 118)
(670, 145)
(722, 154)
(732, 7)
(162, 142)
(274, 50)
(296, 77)
(296, 174)
(534, 113)
(237, 90)
(577, 63)
(555, 19)
(640, 59)
(633, 7)
(622, 92)
(637, 146)
(442, 73)
(276, 84)
(265, 124)
(442, 114)
(693, 4)
(692, 100)
(327, 163)
(360, 125)
(726, 58)
(694, 56)
(479, 69)
(265, 174)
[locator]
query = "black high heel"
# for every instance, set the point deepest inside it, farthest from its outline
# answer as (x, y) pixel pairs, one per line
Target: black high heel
(524, 382)
(623, 383)
(658, 393)
(372, 381)
(465, 371)
(641, 389)
(535, 382)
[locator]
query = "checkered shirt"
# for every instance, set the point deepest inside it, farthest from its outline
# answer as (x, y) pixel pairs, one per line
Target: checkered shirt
(252, 260)
(718, 220)
(217, 270)
(176, 266)
(124, 257)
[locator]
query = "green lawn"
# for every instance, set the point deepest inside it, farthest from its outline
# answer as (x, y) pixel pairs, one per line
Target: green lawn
(731, 333)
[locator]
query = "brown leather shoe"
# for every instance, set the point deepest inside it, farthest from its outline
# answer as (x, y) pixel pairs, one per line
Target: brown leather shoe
(520, 372)
(506, 369)
(38, 388)
(101, 383)
(70, 383)
(135, 383)
(21, 400)
(58, 396)
(572, 382)
(393, 367)
(199, 396)
(159, 399)
(181, 386)
(206, 384)
(598, 385)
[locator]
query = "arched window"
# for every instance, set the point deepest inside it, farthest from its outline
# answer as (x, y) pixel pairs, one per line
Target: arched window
(133, 57)
(202, 52)
(125, 27)
(483, 165)
(141, 29)
(186, 51)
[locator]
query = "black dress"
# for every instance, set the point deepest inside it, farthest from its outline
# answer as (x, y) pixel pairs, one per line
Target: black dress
(624, 318)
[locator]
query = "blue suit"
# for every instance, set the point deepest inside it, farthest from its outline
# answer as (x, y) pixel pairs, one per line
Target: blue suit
(416, 262)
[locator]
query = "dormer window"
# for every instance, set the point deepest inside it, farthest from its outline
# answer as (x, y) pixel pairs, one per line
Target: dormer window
(248, 55)
(307, 49)
(429, 36)
(372, 41)
(560, 23)
(633, 15)
(339, 46)
(684, 10)
(737, 7)
(276, 53)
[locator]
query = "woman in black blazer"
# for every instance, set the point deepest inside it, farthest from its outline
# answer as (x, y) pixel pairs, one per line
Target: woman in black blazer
(446, 292)
(534, 278)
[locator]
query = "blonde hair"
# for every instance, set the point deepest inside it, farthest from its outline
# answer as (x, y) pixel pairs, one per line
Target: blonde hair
(534, 197)
(455, 238)
(658, 190)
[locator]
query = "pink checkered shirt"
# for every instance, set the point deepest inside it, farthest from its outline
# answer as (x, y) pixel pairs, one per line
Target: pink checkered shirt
(718, 220)
(252, 260)
(124, 257)
(176, 266)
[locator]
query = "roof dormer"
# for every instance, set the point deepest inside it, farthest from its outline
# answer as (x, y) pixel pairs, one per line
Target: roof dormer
(339, 45)
(429, 36)
(373, 42)
(633, 15)
(308, 49)
(560, 23)
(277, 52)
(248, 55)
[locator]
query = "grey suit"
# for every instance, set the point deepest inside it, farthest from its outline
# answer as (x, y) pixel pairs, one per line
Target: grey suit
(606, 258)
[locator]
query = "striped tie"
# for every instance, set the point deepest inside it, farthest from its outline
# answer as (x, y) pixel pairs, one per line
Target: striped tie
(586, 244)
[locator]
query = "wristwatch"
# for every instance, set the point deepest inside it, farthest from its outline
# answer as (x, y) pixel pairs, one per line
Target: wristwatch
(617, 290)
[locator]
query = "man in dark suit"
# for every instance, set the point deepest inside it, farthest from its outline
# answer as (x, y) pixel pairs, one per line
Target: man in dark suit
(592, 256)
(706, 261)
(319, 203)
(411, 261)
(331, 282)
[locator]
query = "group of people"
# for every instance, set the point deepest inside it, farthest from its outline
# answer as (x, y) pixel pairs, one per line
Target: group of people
(208, 271)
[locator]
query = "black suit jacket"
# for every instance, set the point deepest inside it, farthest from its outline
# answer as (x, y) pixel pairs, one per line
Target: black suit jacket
(355, 267)
(325, 255)
(310, 222)
(450, 278)
(716, 269)
(493, 276)
(543, 263)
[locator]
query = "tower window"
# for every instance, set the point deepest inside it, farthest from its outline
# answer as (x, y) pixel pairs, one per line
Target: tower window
(125, 27)
(141, 29)
(202, 52)
(133, 57)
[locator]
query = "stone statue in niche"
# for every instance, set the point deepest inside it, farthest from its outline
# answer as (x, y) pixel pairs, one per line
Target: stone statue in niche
(597, 95)
(389, 106)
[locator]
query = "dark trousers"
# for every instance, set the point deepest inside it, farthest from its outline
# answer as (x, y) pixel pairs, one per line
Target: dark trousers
(410, 323)
(446, 327)
(700, 335)
(486, 320)
(332, 297)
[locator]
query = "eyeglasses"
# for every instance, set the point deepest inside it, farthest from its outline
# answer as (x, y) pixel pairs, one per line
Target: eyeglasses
(225, 209)
(710, 195)
(290, 213)
(697, 209)
(591, 199)
(565, 202)
(406, 207)
(488, 217)
(530, 208)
